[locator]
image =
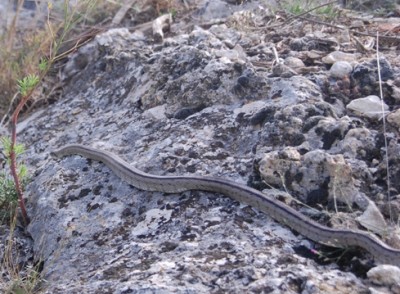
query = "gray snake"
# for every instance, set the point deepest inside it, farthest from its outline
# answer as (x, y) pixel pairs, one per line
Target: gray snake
(277, 210)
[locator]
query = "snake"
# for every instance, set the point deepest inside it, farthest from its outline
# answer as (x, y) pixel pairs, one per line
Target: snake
(284, 214)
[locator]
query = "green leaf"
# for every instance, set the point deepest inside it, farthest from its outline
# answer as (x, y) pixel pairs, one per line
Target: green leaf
(6, 142)
(23, 171)
(27, 84)
(43, 64)
(19, 149)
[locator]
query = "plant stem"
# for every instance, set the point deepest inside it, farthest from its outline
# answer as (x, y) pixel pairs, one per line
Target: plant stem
(13, 165)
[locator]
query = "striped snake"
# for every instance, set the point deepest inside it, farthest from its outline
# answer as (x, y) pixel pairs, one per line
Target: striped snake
(277, 210)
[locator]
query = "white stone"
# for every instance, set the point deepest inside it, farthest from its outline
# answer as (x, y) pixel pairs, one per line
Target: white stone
(372, 219)
(370, 106)
(108, 37)
(294, 62)
(340, 69)
(387, 275)
(331, 58)
(156, 113)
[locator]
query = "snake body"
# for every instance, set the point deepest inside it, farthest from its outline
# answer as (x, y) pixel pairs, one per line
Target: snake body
(277, 210)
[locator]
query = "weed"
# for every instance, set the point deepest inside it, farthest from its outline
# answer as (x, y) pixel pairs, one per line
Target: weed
(31, 55)
(14, 279)
(328, 11)
(295, 8)
(28, 84)
(8, 194)
(302, 7)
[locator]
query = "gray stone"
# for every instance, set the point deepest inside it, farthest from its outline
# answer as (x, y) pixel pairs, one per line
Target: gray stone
(340, 69)
(156, 113)
(385, 275)
(394, 118)
(370, 107)
(294, 62)
(335, 56)
(372, 219)
(316, 168)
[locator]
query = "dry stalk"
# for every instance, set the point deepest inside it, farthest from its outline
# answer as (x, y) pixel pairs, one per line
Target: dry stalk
(384, 127)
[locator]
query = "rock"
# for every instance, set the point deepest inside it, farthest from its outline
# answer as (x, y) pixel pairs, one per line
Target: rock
(370, 107)
(156, 113)
(201, 103)
(282, 70)
(79, 60)
(250, 109)
(229, 36)
(340, 69)
(312, 42)
(211, 10)
(161, 24)
(335, 56)
(294, 62)
(316, 174)
(187, 111)
(295, 90)
(392, 236)
(365, 77)
(357, 141)
(342, 186)
(373, 220)
(393, 118)
(392, 207)
(276, 164)
(386, 275)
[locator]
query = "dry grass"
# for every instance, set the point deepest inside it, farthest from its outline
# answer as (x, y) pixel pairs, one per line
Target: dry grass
(14, 279)
(23, 47)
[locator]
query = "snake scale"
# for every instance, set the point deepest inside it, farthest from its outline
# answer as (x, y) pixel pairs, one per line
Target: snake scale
(277, 210)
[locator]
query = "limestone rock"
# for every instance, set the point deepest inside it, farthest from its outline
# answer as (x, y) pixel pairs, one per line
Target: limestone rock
(373, 220)
(336, 56)
(385, 275)
(203, 103)
(370, 107)
(294, 62)
(340, 69)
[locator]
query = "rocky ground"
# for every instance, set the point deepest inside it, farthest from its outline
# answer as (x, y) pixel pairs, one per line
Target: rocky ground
(288, 105)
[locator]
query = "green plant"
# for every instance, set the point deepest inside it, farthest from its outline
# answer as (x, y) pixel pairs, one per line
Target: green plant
(28, 84)
(328, 11)
(22, 48)
(296, 7)
(303, 7)
(25, 60)
(8, 194)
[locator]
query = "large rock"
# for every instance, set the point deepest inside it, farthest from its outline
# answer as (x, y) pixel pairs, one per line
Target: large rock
(193, 105)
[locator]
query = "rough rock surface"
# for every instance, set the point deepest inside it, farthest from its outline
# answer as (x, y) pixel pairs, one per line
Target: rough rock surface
(200, 103)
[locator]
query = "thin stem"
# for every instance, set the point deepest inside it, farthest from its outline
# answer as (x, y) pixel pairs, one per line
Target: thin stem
(384, 127)
(13, 164)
